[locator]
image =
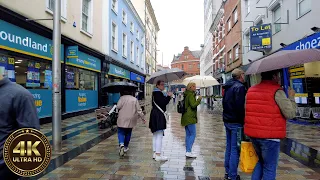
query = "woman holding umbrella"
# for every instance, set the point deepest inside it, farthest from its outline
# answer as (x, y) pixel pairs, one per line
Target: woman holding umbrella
(158, 121)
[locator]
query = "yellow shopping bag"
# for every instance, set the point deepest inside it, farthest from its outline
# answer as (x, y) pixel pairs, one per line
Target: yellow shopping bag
(248, 157)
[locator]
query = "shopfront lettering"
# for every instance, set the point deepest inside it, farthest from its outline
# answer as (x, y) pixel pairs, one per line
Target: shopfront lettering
(82, 99)
(313, 43)
(24, 41)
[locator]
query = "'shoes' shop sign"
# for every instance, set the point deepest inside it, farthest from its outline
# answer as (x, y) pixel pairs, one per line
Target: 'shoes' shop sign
(14, 38)
(310, 42)
(119, 72)
(82, 60)
(261, 37)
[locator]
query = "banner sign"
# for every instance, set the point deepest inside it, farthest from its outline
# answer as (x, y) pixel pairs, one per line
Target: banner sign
(85, 61)
(33, 74)
(136, 77)
(78, 100)
(72, 52)
(14, 38)
(43, 101)
(261, 37)
(310, 42)
(119, 72)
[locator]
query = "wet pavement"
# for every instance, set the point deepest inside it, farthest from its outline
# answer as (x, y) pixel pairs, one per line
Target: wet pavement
(97, 157)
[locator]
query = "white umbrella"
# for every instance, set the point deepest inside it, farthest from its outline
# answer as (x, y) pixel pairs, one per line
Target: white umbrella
(201, 81)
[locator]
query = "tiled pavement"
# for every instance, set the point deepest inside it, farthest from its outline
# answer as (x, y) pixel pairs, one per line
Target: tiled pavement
(102, 161)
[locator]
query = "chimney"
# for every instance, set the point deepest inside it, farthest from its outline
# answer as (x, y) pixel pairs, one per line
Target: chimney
(186, 48)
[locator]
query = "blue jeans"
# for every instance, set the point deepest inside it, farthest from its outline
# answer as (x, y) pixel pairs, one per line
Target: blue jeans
(190, 136)
(231, 159)
(124, 135)
(268, 153)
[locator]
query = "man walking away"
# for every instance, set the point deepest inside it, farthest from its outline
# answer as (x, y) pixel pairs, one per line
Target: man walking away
(233, 118)
(267, 109)
(17, 111)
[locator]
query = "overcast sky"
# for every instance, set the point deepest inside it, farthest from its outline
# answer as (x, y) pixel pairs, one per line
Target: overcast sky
(181, 24)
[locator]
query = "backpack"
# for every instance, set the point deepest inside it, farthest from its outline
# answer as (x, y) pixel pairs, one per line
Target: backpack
(181, 107)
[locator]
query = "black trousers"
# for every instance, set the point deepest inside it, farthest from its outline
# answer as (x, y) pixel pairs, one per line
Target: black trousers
(7, 174)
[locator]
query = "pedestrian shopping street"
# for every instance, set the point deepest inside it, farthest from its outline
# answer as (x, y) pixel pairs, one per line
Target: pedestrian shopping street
(89, 153)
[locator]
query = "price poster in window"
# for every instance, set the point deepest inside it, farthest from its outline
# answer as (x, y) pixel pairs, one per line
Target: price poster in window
(70, 80)
(33, 75)
(48, 77)
(11, 69)
(3, 66)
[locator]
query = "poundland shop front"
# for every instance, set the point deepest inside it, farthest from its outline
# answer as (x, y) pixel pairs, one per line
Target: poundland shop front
(26, 58)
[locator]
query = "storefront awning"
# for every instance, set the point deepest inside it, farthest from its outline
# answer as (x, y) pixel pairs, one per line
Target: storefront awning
(284, 59)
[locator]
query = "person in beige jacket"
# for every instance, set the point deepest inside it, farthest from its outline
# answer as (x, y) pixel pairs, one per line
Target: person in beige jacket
(129, 113)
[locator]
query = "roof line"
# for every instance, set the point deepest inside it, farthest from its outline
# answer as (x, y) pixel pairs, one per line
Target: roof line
(153, 16)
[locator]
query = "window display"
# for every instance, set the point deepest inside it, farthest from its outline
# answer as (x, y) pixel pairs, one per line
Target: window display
(79, 79)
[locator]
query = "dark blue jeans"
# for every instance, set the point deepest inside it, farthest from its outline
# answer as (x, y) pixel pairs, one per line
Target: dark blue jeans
(268, 153)
(231, 159)
(190, 136)
(124, 136)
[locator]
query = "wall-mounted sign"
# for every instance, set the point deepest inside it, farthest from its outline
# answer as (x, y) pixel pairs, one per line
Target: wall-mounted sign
(85, 61)
(136, 77)
(14, 38)
(119, 72)
(72, 52)
(261, 37)
(310, 42)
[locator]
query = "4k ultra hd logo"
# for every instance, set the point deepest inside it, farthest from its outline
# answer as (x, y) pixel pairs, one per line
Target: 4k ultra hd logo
(27, 152)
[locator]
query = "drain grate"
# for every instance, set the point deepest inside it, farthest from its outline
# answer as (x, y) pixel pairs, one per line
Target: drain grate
(204, 178)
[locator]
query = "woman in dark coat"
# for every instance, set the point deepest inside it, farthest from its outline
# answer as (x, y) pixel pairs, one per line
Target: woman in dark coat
(158, 122)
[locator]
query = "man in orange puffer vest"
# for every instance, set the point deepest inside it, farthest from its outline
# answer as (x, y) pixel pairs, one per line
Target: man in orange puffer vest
(267, 109)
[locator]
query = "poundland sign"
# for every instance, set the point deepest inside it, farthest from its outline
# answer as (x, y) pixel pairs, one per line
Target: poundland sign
(14, 38)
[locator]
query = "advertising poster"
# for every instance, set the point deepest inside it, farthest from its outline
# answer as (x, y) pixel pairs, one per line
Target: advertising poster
(33, 75)
(11, 69)
(3, 65)
(48, 77)
(297, 85)
(70, 80)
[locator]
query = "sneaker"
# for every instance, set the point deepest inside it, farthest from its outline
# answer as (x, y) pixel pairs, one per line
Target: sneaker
(190, 155)
(161, 158)
(154, 156)
(121, 151)
(226, 177)
(126, 149)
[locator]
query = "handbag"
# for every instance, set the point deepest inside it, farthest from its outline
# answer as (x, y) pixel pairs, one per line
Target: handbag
(166, 116)
(248, 157)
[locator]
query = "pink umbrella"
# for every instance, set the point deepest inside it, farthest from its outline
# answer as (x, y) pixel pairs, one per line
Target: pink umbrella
(284, 59)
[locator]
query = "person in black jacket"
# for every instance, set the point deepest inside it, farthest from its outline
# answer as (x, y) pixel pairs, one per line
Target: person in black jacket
(158, 122)
(233, 118)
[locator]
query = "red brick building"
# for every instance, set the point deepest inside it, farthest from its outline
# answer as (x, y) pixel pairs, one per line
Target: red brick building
(189, 61)
(233, 32)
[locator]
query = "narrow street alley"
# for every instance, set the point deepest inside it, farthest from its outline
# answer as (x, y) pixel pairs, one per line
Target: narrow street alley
(102, 160)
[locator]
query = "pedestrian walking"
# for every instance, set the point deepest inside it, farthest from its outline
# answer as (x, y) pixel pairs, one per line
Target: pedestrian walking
(189, 118)
(17, 110)
(267, 108)
(233, 118)
(158, 121)
(129, 113)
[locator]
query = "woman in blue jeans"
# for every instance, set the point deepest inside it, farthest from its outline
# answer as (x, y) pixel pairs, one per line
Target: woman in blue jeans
(189, 118)
(129, 112)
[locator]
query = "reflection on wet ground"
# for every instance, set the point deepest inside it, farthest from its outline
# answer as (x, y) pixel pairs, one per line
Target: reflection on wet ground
(91, 156)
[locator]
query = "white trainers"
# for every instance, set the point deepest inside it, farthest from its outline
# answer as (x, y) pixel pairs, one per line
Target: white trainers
(161, 158)
(126, 149)
(154, 156)
(190, 155)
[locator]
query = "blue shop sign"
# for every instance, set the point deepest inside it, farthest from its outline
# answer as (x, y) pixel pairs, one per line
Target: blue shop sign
(310, 42)
(136, 77)
(14, 38)
(119, 72)
(72, 52)
(43, 102)
(85, 61)
(79, 100)
(261, 37)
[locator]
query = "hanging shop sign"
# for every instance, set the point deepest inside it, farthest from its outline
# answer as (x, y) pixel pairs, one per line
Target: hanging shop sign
(83, 60)
(310, 42)
(42, 102)
(72, 52)
(297, 72)
(119, 72)
(79, 100)
(136, 77)
(14, 38)
(261, 37)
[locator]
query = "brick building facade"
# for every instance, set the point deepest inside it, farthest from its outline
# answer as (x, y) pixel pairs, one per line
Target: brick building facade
(233, 38)
(189, 61)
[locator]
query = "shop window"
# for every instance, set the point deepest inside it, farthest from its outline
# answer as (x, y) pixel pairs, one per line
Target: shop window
(80, 79)
(304, 6)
